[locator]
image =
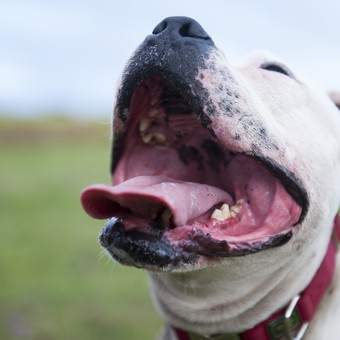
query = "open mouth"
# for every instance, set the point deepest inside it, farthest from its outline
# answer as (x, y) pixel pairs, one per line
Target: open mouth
(178, 193)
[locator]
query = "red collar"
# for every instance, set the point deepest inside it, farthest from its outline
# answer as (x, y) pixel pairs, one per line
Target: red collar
(293, 320)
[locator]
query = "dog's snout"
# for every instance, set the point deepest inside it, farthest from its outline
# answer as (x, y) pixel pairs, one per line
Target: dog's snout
(181, 27)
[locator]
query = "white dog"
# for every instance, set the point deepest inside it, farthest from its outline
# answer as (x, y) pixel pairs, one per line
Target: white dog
(226, 186)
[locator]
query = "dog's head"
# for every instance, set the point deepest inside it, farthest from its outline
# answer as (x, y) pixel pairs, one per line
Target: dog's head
(212, 161)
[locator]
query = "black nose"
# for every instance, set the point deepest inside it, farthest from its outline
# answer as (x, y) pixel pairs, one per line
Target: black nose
(178, 27)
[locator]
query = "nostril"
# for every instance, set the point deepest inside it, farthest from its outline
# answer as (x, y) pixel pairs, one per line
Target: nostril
(160, 27)
(193, 30)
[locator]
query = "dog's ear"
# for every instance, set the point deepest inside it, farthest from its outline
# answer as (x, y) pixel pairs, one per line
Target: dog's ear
(335, 96)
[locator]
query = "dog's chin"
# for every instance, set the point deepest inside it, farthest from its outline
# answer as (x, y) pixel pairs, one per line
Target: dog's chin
(151, 251)
(154, 250)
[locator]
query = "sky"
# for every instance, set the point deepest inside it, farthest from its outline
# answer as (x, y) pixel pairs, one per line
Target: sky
(66, 56)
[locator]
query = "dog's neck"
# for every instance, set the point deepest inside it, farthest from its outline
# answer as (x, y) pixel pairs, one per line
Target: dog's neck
(234, 296)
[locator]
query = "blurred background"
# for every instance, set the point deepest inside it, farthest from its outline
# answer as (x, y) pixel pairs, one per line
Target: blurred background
(59, 64)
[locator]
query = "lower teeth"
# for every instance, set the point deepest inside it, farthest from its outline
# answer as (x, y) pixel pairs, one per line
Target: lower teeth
(226, 212)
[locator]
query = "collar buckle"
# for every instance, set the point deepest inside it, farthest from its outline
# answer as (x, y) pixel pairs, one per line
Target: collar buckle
(287, 321)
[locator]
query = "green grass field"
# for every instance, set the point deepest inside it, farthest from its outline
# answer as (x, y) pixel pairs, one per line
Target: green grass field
(54, 283)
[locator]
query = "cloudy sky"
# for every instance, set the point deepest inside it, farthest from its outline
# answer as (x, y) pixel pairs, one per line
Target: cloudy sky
(65, 56)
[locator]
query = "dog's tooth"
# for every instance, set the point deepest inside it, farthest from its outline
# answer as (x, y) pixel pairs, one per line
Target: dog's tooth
(165, 216)
(158, 138)
(153, 113)
(144, 124)
(146, 138)
(238, 206)
(217, 215)
(226, 210)
(153, 138)
(150, 137)
(221, 214)
(235, 209)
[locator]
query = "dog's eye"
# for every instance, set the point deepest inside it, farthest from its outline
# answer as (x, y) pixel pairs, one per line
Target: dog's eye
(275, 67)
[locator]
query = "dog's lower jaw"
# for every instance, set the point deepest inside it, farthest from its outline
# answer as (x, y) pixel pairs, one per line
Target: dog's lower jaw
(235, 295)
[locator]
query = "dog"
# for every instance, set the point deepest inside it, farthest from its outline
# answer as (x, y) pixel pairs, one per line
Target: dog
(226, 188)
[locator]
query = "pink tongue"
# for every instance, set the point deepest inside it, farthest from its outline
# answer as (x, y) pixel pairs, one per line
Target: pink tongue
(148, 195)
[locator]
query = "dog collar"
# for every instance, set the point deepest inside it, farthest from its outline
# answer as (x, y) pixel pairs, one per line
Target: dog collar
(290, 322)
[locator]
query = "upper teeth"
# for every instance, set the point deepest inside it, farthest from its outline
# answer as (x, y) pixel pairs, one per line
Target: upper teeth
(144, 124)
(153, 138)
(144, 127)
(153, 113)
(226, 212)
